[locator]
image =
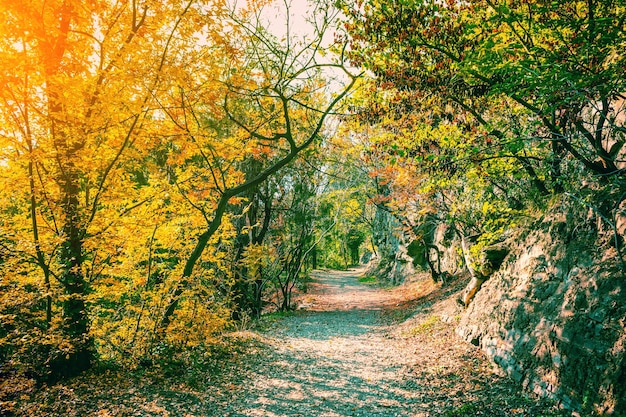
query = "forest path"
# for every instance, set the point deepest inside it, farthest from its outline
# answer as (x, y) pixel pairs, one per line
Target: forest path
(334, 359)
(353, 353)
(357, 350)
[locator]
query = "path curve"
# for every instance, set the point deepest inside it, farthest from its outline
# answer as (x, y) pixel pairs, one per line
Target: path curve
(356, 350)
(339, 358)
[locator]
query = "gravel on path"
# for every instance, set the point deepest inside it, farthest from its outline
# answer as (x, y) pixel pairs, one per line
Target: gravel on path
(352, 353)
(354, 350)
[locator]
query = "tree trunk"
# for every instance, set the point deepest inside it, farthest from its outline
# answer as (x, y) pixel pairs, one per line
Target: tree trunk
(555, 167)
(75, 325)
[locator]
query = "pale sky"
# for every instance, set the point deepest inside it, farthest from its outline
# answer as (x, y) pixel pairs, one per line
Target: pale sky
(299, 11)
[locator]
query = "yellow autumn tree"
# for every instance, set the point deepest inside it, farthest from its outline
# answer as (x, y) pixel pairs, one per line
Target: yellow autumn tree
(279, 97)
(82, 88)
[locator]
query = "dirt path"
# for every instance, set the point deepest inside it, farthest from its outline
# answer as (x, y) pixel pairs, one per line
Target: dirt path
(348, 355)
(334, 360)
(357, 350)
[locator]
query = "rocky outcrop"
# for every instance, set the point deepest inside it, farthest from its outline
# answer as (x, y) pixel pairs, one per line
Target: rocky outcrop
(488, 261)
(447, 242)
(396, 258)
(554, 316)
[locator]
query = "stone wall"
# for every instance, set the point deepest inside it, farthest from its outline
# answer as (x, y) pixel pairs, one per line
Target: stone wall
(554, 316)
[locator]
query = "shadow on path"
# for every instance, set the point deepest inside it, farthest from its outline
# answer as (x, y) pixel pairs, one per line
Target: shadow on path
(340, 359)
(334, 360)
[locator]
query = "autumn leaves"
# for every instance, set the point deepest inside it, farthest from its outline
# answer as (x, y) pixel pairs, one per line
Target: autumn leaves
(125, 128)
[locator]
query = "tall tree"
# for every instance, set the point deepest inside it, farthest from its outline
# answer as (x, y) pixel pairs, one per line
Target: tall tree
(279, 97)
(79, 87)
(489, 106)
(557, 63)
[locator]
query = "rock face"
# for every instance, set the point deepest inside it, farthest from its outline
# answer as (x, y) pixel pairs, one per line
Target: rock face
(447, 242)
(394, 260)
(554, 316)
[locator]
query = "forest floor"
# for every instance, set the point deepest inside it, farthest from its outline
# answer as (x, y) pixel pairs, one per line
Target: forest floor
(354, 349)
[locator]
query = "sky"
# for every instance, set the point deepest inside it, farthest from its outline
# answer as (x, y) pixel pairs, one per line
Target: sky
(299, 12)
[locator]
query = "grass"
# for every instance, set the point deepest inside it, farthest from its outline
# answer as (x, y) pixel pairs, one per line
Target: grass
(425, 326)
(270, 319)
(369, 280)
(464, 410)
